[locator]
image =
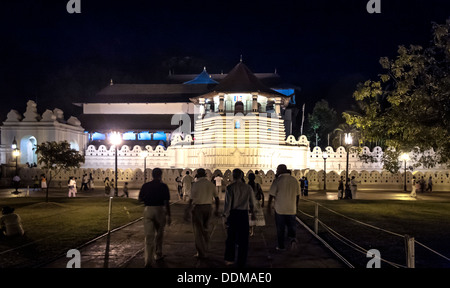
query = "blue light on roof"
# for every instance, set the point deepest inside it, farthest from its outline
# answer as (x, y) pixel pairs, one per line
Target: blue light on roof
(98, 136)
(160, 135)
(144, 136)
(287, 92)
(129, 136)
(202, 78)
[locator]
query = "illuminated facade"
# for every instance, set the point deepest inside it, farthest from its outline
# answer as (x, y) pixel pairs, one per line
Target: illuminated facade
(234, 121)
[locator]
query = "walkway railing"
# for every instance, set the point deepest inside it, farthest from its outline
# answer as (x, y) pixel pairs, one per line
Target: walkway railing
(409, 241)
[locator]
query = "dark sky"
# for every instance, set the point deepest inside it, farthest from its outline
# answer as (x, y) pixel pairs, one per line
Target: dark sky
(325, 47)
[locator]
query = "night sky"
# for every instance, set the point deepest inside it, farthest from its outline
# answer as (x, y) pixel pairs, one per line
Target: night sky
(325, 47)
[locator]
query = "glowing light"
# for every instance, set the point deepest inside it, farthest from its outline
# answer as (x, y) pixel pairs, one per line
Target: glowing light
(16, 153)
(14, 144)
(115, 138)
(404, 157)
(348, 139)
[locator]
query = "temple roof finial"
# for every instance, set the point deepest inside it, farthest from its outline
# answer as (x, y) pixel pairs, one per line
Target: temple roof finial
(111, 82)
(241, 58)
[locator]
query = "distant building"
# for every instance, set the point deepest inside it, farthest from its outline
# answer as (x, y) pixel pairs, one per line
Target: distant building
(31, 129)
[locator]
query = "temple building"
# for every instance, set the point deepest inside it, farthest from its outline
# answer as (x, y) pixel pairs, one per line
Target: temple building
(212, 121)
(149, 114)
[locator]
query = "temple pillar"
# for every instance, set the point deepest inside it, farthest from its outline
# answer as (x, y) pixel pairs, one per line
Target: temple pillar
(255, 103)
(201, 113)
(278, 107)
(221, 103)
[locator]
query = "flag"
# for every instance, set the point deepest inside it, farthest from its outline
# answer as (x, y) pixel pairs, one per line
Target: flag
(303, 119)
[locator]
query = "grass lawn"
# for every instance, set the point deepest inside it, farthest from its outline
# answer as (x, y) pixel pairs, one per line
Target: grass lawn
(426, 221)
(52, 228)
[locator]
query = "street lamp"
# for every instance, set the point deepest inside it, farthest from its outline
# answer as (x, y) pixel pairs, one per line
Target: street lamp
(325, 156)
(404, 157)
(16, 154)
(115, 138)
(348, 141)
(144, 154)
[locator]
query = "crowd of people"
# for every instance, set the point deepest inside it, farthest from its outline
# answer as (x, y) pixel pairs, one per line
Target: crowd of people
(242, 211)
(420, 185)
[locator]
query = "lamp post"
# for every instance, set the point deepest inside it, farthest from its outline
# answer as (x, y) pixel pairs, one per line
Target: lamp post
(404, 157)
(144, 154)
(325, 156)
(348, 141)
(115, 138)
(16, 154)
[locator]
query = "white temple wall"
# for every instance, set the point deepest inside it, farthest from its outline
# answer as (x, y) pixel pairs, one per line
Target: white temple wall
(265, 159)
(372, 180)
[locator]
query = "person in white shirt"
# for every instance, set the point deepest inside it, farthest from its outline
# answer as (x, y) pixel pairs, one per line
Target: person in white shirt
(286, 192)
(218, 179)
(72, 187)
(187, 184)
(202, 194)
(354, 186)
(258, 178)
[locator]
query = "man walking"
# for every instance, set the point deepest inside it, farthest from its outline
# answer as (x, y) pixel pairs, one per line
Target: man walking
(156, 197)
(187, 184)
(258, 178)
(218, 179)
(354, 186)
(239, 199)
(286, 192)
(202, 193)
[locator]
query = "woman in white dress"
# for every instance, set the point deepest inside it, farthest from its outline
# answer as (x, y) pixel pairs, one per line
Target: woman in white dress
(72, 187)
(413, 187)
(258, 218)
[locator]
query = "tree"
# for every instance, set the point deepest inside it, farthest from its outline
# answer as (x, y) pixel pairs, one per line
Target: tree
(409, 106)
(55, 157)
(322, 121)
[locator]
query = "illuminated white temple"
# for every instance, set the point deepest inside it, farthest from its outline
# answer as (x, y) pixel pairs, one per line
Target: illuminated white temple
(234, 122)
(239, 124)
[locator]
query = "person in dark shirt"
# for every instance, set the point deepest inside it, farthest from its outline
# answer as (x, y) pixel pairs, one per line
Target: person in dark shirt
(239, 202)
(155, 195)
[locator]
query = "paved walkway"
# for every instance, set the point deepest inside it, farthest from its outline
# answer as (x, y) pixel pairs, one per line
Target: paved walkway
(126, 245)
(126, 248)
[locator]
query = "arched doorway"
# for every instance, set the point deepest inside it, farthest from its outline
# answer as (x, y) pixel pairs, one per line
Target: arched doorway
(28, 150)
(239, 107)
